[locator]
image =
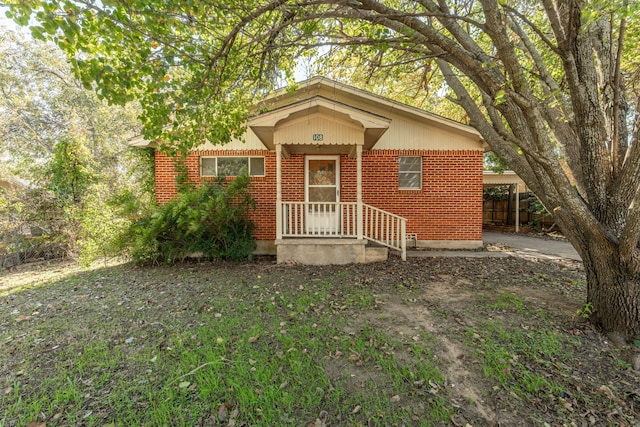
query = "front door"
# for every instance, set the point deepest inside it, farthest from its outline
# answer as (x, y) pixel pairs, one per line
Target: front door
(322, 194)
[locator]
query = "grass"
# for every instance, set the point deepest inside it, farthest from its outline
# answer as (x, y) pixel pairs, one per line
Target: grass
(507, 301)
(507, 354)
(261, 358)
(263, 345)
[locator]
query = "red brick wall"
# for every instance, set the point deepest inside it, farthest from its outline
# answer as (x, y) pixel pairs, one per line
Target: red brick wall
(449, 206)
(263, 187)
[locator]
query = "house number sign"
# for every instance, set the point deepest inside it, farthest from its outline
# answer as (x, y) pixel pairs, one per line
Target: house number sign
(318, 136)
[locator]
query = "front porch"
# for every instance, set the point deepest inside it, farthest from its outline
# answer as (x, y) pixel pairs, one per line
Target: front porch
(337, 233)
(321, 228)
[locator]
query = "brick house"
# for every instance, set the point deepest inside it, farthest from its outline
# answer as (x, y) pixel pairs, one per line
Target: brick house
(334, 168)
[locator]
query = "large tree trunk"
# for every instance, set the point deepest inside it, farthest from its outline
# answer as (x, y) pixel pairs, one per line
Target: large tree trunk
(614, 294)
(613, 288)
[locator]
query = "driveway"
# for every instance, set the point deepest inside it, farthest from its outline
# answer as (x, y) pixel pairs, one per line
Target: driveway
(510, 244)
(525, 245)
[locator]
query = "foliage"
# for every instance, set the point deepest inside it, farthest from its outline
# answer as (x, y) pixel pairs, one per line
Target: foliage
(209, 221)
(102, 229)
(537, 211)
(493, 163)
(70, 170)
(500, 192)
(84, 183)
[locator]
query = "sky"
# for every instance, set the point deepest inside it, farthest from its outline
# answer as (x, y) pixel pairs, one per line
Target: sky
(8, 24)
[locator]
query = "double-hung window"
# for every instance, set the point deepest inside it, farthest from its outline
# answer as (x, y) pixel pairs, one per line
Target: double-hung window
(231, 166)
(410, 172)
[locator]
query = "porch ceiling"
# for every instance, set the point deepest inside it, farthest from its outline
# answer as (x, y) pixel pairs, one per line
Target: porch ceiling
(371, 126)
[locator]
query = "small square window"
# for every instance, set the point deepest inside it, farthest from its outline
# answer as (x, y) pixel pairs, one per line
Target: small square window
(256, 166)
(208, 166)
(410, 172)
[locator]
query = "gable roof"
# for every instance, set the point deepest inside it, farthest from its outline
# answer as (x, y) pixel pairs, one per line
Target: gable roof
(263, 125)
(350, 105)
(341, 92)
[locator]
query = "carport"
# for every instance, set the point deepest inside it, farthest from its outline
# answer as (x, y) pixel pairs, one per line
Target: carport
(495, 179)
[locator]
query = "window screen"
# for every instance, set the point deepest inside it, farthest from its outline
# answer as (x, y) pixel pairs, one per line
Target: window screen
(410, 172)
(207, 166)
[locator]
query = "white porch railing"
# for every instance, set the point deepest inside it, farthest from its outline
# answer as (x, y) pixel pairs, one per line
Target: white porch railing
(386, 229)
(313, 219)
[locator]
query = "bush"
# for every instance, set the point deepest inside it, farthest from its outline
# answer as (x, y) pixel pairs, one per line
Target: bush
(102, 228)
(210, 221)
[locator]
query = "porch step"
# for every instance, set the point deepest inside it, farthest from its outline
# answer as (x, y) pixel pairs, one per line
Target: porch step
(328, 251)
(375, 254)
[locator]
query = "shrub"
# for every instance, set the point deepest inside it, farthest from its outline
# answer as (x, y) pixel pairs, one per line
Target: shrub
(101, 226)
(210, 221)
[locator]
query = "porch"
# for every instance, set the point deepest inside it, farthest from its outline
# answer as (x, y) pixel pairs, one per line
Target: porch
(337, 233)
(321, 228)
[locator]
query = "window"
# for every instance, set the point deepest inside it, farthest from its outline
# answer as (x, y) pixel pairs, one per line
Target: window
(410, 172)
(231, 166)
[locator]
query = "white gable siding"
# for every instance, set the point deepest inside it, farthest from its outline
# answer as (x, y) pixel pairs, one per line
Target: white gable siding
(405, 134)
(251, 142)
(302, 131)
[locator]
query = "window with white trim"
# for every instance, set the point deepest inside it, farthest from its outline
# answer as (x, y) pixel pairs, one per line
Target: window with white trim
(231, 166)
(410, 172)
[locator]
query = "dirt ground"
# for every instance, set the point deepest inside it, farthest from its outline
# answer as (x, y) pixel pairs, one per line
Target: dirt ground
(452, 299)
(453, 295)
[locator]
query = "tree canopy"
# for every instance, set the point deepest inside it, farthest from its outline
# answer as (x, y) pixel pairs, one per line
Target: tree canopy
(551, 85)
(70, 148)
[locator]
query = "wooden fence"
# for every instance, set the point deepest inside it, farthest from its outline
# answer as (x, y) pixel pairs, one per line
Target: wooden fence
(496, 213)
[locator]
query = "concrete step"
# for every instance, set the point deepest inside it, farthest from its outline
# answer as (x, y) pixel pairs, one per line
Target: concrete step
(375, 254)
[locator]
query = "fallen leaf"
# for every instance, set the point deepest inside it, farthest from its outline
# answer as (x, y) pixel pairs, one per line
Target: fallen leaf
(356, 409)
(184, 384)
(607, 392)
(36, 424)
(253, 339)
(222, 413)
(395, 398)
(7, 390)
(22, 318)
(234, 413)
(232, 417)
